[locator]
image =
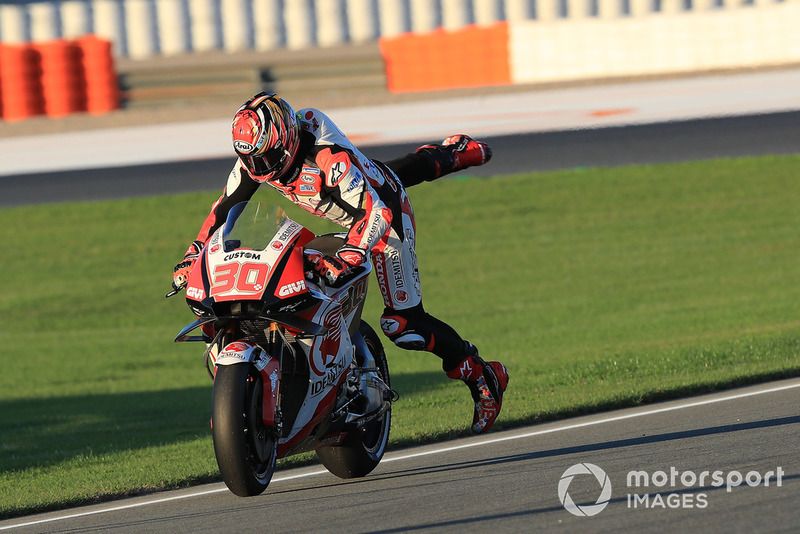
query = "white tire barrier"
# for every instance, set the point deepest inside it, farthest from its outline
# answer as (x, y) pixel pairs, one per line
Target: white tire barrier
(43, 21)
(141, 28)
(13, 23)
(172, 28)
(268, 25)
(74, 18)
(142, 40)
(362, 20)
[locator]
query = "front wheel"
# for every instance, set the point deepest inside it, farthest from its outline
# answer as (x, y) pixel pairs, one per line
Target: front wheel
(244, 447)
(362, 449)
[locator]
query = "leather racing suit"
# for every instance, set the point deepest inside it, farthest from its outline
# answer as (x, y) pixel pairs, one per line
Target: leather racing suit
(334, 180)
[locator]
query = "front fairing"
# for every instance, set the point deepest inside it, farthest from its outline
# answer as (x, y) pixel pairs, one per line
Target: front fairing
(252, 265)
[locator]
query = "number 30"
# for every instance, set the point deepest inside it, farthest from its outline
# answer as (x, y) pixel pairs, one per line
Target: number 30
(245, 277)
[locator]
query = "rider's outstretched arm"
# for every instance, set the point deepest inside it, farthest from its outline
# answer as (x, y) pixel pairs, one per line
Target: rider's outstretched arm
(240, 187)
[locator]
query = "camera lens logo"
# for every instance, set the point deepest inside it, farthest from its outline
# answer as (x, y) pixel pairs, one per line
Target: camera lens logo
(587, 510)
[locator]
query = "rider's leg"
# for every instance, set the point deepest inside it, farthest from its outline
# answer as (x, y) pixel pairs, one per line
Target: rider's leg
(430, 162)
(406, 323)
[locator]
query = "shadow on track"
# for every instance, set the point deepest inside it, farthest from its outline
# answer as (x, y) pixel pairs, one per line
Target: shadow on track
(92, 425)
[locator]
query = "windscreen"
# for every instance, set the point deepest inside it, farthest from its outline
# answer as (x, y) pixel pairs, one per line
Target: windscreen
(251, 226)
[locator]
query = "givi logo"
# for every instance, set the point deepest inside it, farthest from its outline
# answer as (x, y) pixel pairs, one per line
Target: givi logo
(195, 293)
(290, 289)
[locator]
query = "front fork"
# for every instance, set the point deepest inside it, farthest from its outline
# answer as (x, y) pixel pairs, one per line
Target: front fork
(270, 369)
(268, 363)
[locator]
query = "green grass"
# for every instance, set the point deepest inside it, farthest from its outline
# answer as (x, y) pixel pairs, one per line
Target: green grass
(597, 287)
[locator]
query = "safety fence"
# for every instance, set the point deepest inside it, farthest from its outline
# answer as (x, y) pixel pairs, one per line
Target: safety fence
(143, 28)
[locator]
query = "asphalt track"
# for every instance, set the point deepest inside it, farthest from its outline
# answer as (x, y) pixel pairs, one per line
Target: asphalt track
(508, 481)
(773, 133)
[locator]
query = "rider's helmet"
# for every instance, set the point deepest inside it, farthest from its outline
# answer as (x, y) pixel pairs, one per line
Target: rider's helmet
(266, 136)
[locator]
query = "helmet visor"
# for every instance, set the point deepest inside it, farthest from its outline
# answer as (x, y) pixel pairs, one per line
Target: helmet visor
(266, 164)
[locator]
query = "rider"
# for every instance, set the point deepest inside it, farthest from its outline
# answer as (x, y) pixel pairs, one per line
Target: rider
(311, 162)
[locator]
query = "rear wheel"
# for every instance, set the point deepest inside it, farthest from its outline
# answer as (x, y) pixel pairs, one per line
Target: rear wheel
(363, 448)
(244, 447)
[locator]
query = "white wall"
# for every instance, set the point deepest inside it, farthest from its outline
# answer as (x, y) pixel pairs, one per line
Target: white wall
(139, 31)
(678, 42)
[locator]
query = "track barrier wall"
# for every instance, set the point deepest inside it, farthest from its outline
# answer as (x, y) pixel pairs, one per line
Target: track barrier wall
(145, 28)
(57, 78)
(598, 45)
(469, 57)
(424, 44)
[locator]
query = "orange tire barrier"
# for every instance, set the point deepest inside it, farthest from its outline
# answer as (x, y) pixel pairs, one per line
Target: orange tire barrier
(102, 89)
(474, 56)
(20, 82)
(63, 79)
(58, 78)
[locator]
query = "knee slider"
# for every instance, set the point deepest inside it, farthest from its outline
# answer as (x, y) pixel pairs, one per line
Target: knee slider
(401, 332)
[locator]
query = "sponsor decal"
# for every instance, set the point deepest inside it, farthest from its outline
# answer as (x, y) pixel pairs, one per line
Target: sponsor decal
(307, 179)
(273, 380)
(306, 188)
(214, 249)
(241, 254)
(262, 361)
(289, 307)
(374, 226)
(290, 289)
(397, 267)
(233, 354)
(329, 347)
(380, 274)
(277, 245)
(465, 369)
(237, 346)
(318, 386)
(390, 326)
(243, 147)
(337, 171)
(353, 257)
(195, 293)
(292, 228)
(358, 178)
(401, 296)
(247, 132)
(309, 115)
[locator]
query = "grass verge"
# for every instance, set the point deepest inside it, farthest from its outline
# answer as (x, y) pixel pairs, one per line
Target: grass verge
(598, 288)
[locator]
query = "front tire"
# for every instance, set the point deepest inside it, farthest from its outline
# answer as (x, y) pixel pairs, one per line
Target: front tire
(362, 449)
(245, 449)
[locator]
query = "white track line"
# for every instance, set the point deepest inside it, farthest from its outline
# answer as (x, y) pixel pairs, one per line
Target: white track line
(393, 458)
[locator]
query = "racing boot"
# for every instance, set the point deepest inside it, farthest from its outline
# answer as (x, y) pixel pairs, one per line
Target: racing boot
(486, 381)
(456, 153)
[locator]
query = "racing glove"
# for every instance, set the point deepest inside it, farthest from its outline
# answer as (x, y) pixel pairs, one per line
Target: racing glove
(333, 268)
(180, 273)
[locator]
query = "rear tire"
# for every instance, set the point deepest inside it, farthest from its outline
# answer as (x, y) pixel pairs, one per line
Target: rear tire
(362, 449)
(244, 447)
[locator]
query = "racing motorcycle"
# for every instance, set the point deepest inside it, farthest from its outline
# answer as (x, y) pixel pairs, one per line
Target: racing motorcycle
(294, 367)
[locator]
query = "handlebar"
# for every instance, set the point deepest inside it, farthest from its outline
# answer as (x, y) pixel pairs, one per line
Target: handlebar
(174, 291)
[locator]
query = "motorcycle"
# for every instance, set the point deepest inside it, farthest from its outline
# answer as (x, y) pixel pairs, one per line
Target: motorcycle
(294, 367)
